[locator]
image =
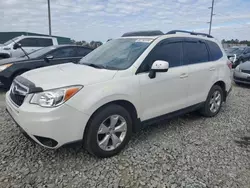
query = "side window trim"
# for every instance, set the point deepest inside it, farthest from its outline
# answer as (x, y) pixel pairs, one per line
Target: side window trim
(167, 41)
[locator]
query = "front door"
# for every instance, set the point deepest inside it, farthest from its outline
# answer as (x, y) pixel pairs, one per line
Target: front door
(28, 44)
(167, 92)
(63, 55)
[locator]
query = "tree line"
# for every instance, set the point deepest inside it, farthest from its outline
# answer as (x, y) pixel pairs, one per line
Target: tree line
(92, 44)
(236, 41)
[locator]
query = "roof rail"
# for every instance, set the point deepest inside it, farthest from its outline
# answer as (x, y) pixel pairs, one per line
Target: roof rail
(191, 33)
(143, 33)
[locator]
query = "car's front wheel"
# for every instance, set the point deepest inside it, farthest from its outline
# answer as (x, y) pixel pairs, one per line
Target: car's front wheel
(214, 102)
(108, 131)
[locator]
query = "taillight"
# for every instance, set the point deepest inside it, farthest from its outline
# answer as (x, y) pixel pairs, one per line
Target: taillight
(229, 64)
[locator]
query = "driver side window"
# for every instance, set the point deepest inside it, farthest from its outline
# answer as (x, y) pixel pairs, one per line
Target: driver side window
(170, 52)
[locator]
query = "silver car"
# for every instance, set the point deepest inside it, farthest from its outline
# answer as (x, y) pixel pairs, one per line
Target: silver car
(242, 73)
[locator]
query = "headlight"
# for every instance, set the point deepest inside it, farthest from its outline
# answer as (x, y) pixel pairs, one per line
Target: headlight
(5, 66)
(55, 97)
(238, 68)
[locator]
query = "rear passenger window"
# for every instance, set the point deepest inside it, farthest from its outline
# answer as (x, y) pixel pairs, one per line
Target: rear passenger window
(28, 42)
(44, 42)
(195, 52)
(170, 52)
(215, 51)
(81, 52)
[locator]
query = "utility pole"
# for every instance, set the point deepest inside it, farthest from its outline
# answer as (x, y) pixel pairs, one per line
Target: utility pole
(211, 17)
(49, 17)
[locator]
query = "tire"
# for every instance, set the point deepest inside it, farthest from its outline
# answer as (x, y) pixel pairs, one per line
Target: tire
(94, 136)
(206, 109)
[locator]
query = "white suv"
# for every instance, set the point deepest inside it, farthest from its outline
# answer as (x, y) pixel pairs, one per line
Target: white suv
(120, 87)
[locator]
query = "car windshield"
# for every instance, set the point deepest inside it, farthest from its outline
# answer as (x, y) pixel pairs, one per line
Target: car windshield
(10, 41)
(40, 52)
(238, 51)
(116, 54)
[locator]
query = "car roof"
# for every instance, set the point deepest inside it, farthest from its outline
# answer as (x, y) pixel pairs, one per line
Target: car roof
(34, 36)
(173, 35)
(71, 45)
(154, 34)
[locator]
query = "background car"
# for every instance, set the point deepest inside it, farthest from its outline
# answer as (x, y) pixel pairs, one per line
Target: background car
(242, 73)
(28, 43)
(242, 55)
(12, 67)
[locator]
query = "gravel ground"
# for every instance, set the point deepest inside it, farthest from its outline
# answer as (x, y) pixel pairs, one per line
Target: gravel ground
(190, 151)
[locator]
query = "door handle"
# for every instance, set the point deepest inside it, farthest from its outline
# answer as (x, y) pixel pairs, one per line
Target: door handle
(212, 68)
(183, 75)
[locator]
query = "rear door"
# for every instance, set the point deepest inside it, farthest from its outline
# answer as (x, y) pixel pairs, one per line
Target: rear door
(63, 55)
(203, 71)
(167, 92)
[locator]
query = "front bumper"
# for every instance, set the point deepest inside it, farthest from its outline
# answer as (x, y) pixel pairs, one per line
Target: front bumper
(49, 127)
(241, 77)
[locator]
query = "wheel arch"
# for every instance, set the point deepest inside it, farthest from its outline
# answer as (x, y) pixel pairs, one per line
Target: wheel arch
(129, 106)
(222, 84)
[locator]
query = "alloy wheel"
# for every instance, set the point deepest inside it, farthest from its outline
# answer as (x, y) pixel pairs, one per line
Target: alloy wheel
(111, 132)
(215, 101)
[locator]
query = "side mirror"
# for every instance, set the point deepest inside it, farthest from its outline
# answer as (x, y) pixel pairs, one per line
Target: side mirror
(48, 58)
(158, 66)
(17, 45)
(233, 58)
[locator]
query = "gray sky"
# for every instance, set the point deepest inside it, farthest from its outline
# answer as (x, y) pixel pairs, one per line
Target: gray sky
(104, 19)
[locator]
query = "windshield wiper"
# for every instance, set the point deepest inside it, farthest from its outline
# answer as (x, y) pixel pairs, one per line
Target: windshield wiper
(94, 65)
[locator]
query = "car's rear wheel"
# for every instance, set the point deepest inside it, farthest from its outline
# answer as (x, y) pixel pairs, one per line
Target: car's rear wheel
(108, 131)
(214, 102)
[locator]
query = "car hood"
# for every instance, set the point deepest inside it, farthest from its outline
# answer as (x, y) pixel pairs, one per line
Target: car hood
(12, 60)
(245, 65)
(230, 54)
(68, 74)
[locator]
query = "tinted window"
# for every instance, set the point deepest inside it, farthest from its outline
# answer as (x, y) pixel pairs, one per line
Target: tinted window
(81, 52)
(44, 42)
(28, 42)
(248, 50)
(195, 52)
(63, 52)
(170, 52)
(215, 51)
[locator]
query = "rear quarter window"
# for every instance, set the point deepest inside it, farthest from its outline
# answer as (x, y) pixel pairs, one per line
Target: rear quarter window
(215, 51)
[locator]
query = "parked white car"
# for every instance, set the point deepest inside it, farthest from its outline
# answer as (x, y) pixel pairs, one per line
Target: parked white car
(28, 43)
(120, 87)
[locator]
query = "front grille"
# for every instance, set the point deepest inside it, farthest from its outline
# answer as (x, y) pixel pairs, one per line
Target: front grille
(17, 99)
(246, 71)
(18, 93)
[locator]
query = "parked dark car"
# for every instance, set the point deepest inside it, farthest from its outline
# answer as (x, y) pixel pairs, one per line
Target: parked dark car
(242, 55)
(52, 55)
(242, 73)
